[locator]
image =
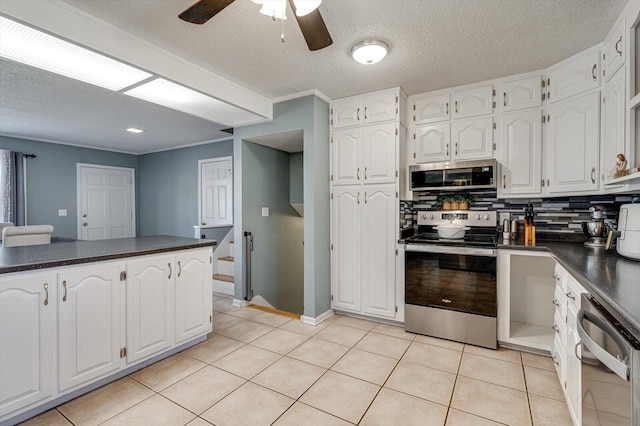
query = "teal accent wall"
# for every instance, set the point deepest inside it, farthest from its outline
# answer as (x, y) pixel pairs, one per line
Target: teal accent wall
(296, 178)
(311, 115)
(277, 257)
(168, 190)
(51, 179)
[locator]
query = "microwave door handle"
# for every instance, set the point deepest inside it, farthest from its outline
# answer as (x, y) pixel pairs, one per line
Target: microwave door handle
(620, 368)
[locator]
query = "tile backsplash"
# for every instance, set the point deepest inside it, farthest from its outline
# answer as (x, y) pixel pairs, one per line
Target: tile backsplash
(559, 214)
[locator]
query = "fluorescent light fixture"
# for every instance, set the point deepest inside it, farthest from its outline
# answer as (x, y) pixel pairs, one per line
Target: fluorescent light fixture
(134, 130)
(29, 46)
(172, 95)
(369, 52)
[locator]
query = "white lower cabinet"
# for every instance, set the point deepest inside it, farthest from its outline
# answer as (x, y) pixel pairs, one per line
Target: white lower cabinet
(149, 294)
(90, 314)
(27, 339)
(193, 299)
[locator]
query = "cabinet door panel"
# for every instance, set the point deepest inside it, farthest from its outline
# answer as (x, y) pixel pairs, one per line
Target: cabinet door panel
(346, 113)
(378, 250)
(347, 156)
(431, 109)
(150, 319)
(27, 336)
(347, 250)
(520, 94)
(613, 55)
(432, 143)
(573, 136)
(89, 312)
(521, 141)
(613, 119)
(193, 297)
(472, 139)
(380, 146)
(575, 77)
(472, 102)
(380, 107)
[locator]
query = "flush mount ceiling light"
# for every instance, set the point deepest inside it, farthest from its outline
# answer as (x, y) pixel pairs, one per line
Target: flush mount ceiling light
(134, 130)
(369, 52)
(29, 46)
(277, 8)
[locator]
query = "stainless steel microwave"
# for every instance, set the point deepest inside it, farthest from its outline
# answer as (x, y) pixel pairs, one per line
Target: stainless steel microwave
(452, 176)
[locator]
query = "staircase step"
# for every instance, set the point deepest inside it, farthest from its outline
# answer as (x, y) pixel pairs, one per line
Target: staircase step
(223, 277)
(226, 258)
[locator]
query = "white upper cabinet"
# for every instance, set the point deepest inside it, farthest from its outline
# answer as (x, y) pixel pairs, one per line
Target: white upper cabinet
(347, 156)
(572, 145)
(613, 118)
(520, 94)
(380, 146)
(378, 250)
(149, 306)
(346, 254)
(371, 108)
(472, 102)
(193, 301)
(346, 112)
(431, 109)
(472, 139)
(380, 106)
(521, 162)
(613, 54)
(574, 77)
(90, 317)
(432, 143)
(27, 339)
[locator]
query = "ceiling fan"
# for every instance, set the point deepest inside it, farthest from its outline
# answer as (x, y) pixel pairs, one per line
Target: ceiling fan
(311, 24)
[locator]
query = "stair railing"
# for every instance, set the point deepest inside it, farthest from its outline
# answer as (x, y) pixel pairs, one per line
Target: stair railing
(248, 248)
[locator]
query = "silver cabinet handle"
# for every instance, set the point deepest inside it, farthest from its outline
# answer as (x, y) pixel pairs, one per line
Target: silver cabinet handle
(593, 72)
(358, 198)
(64, 296)
(446, 107)
(571, 296)
(169, 277)
(456, 103)
(555, 302)
(593, 175)
(365, 113)
(548, 184)
(179, 268)
(555, 328)
(358, 114)
(365, 173)
(46, 294)
(617, 43)
(504, 98)
(554, 358)
(504, 181)
(365, 198)
(85, 224)
(575, 351)
(447, 150)
(456, 148)
(358, 173)
(204, 223)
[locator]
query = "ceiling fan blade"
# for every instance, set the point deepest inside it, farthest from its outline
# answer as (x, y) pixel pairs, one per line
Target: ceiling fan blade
(313, 29)
(202, 11)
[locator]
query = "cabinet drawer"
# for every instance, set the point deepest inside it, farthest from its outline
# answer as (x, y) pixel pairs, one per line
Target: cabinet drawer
(576, 76)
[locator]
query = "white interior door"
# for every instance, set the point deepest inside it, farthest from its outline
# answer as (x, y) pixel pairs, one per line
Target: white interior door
(216, 192)
(105, 200)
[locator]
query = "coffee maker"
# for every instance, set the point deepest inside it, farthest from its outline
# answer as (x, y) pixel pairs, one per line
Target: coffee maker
(603, 219)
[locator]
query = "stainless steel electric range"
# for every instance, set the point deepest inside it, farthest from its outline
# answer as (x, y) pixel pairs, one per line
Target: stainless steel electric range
(450, 285)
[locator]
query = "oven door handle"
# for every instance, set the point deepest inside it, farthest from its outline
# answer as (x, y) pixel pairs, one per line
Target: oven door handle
(472, 251)
(614, 364)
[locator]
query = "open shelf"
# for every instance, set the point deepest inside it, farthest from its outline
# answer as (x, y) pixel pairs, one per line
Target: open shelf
(627, 179)
(531, 335)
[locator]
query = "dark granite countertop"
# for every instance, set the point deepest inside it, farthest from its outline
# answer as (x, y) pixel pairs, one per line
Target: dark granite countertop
(613, 280)
(26, 258)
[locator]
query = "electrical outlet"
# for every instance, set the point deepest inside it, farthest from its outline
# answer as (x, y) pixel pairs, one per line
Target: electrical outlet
(203, 237)
(265, 211)
(62, 212)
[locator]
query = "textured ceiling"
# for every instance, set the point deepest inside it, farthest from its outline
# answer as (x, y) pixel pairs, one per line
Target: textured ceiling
(434, 44)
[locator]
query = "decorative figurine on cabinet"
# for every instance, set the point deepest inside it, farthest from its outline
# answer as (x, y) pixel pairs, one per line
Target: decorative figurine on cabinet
(620, 168)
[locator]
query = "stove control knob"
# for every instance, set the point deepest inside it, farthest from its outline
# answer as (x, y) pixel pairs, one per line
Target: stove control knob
(487, 217)
(424, 215)
(432, 217)
(478, 217)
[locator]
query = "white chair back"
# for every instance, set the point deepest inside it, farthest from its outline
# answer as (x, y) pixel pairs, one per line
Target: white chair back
(13, 236)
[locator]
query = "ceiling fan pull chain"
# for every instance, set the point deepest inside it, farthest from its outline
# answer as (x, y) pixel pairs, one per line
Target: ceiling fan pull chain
(282, 35)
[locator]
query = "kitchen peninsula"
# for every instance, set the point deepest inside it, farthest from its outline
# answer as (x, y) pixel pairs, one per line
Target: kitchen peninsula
(77, 315)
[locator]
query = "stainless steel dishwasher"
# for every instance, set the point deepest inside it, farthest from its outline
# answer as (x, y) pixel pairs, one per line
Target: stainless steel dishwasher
(610, 365)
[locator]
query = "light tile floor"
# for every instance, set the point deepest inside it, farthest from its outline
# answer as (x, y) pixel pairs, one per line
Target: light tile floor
(258, 368)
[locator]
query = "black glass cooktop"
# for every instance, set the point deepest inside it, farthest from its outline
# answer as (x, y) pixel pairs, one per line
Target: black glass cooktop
(471, 239)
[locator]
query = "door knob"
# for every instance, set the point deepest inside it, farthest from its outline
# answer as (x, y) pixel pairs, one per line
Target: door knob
(85, 224)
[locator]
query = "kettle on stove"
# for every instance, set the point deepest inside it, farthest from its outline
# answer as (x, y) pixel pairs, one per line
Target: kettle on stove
(628, 233)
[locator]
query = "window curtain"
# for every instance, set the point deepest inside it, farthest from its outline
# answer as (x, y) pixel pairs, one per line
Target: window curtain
(12, 188)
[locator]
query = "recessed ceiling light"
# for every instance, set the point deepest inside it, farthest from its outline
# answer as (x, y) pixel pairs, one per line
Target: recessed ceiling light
(134, 130)
(29, 46)
(369, 52)
(166, 93)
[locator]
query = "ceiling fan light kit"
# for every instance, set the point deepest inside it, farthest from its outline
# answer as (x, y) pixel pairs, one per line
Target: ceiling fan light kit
(369, 52)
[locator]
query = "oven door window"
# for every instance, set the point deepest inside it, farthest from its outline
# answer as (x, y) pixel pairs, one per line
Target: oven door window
(449, 281)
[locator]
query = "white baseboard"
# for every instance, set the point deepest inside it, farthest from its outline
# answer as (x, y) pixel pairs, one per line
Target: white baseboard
(317, 320)
(223, 287)
(240, 303)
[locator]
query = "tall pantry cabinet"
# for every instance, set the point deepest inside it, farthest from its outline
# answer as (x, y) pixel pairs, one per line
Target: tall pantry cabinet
(366, 135)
